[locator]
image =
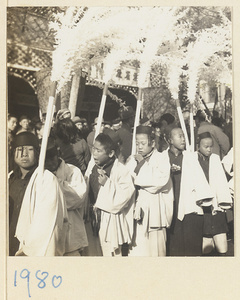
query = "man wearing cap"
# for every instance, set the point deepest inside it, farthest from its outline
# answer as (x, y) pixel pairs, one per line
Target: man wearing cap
(125, 132)
(63, 114)
(221, 144)
(36, 205)
(24, 123)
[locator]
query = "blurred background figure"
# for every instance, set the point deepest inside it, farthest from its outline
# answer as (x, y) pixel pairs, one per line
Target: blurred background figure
(78, 123)
(24, 124)
(91, 135)
(63, 114)
(164, 122)
(12, 124)
(36, 126)
(145, 122)
(116, 124)
(127, 116)
(107, 124)
(74, 149)
(85, 129)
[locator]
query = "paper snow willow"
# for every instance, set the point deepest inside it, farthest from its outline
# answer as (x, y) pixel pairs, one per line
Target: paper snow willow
(112, 36)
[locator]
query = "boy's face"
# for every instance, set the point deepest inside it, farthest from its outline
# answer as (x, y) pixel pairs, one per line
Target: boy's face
(25, 157)
(143, 145)
(205, 146)
(24, 123)
(12, 123)
(177, 139)
(101, 157)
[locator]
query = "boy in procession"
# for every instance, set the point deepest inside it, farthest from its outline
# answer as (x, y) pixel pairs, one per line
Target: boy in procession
(190, 192)
(74, 190)
(37, 212)
(154, 201)
(215, 223)
(111, 194)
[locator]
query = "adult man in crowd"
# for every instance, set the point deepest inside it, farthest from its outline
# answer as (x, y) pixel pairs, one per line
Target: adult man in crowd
(24, 123)
(12, 124)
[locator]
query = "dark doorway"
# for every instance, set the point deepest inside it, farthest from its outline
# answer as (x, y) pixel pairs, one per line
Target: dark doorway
(92, 98)
(22, 99)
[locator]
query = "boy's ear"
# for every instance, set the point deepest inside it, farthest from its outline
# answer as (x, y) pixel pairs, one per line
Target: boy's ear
(111, 153)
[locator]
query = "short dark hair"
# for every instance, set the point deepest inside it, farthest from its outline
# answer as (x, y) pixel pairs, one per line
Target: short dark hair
(168, 131)
(107, 142)
(204, 135)
(11, 116)
(148, 130)
(67, 131)
(169, 118)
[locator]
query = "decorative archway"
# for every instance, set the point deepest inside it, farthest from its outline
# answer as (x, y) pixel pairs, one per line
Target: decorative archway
(22, 98)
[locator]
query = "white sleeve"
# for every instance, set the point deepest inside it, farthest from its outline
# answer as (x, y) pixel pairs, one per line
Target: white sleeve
(117, 192)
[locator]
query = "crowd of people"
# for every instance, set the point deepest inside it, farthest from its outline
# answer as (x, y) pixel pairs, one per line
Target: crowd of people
(95, 198)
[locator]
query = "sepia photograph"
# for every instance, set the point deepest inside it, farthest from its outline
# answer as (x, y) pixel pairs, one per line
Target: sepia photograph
(120, 141)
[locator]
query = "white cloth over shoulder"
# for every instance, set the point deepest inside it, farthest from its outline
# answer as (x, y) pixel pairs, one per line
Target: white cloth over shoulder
(116, 200)
(218, 182)
(193, 187)
(74, 189)
(228, 162)
(228, 166)
(42, 224)
(155, 196)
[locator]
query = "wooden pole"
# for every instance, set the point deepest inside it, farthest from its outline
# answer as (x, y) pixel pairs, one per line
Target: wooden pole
(182, 123)
(192, 128)
(136, 122)
(205, 105)
(99, 123)
(101, 110)
(47, 126)
(74, 93)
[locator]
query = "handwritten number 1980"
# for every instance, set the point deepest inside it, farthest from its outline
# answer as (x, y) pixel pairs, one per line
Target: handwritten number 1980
(41, 276)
